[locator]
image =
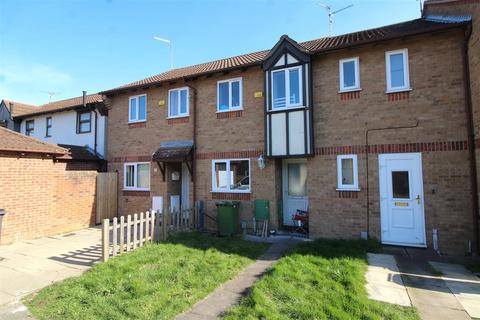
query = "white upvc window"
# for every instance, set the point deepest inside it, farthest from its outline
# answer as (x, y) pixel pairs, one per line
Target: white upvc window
(178, 102)
(231, 175)
(136, 176)
(286, 88)
(398, 76)
(349, 74)
(229, 95)
(347, 172)
(137, 108)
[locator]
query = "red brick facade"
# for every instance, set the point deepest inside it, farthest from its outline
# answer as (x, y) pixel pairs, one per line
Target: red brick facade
(42, 197)
(434, 109)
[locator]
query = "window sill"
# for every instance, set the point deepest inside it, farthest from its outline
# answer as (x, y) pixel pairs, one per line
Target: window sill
(350, 90)
(398, 90)
(286, 108)
(78, 132)
(230, 191)
(139, 121)
(140, 190)
(348, 189)
(176, 117)
(229, 110)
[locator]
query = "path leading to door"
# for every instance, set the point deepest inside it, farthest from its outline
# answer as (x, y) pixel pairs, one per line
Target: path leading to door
(28, 266)
(437, 290)
(230, 293)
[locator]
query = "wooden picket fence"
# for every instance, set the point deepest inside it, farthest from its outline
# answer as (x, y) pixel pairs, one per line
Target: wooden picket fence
(133, 231)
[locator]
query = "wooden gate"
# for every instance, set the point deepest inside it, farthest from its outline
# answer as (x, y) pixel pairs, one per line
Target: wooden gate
(106, 196)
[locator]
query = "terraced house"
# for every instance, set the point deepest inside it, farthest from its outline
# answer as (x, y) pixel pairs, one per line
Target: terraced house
(371, 132)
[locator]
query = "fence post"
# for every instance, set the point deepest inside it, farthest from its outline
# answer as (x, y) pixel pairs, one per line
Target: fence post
(105, 244)
(122, 234)
(141, 230)
(114, 236)
(164, 225)
(135, 222)
(147, 226)
(190, 219)
(129, 231)
(152, 226)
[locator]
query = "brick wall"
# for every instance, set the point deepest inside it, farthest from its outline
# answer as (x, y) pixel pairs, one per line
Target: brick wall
(340, 123)
(42, 198)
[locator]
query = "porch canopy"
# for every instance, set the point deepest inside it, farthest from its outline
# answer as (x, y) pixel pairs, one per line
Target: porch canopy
(174, 151)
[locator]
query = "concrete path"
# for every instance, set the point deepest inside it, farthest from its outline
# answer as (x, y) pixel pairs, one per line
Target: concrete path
(384, 282)
(428, 292)
(463, 284)
(28, 266)
(230, 293)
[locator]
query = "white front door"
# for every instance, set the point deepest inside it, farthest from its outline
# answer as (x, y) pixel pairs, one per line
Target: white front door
(185, 187)
(294, 188)
(401, 199)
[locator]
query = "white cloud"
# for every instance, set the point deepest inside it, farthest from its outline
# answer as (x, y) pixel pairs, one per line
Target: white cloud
(25, 81)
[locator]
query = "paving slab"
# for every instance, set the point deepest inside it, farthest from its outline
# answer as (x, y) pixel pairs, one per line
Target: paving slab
(463, 284)
(231, 292)
(384, 282)
(28, 266)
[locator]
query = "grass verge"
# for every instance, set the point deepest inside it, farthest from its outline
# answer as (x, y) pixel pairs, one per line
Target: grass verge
(158, 281)
(318, 280)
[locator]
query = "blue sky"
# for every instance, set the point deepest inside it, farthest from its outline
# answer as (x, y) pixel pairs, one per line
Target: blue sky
(67, 46)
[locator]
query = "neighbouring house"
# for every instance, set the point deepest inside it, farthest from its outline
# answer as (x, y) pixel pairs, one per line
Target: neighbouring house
(78, 124)
(371, 132)
(10, 109)
(41, 195)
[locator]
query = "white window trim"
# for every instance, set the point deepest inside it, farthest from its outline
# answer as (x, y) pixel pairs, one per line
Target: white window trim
(347, 187)
(356, 86)
(135, 176)
(406, 71)
(287, 88)
(228, 190)
(180, 115)
(130, 120)
(230, 81)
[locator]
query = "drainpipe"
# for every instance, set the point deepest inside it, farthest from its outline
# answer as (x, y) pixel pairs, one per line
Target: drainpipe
(471, 135)
(366, 165)
(194, 139)
(2, 213)
(84, 102)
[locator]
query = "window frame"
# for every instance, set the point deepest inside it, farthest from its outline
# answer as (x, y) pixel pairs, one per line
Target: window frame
(180, 115)
(356, 86)
(287, 88)
(406, 71)
(29, 131)
(230, 107)
(340, 185)
(80, 121)
(48, 134)
(228, 189)
(135, 182)
(137, 113)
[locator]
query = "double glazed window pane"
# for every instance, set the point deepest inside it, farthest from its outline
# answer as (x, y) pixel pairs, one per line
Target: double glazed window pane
(400, 185)
(84, 126)
(143, 176)
(130, 174)
(279, 89)
(347, 172)
(221, 178)
(397, 76)
(183, 101)
(294, 86)
(239, 175)
(223, 96)
(349, 74)
(133, 109)
(178, 103)
(297, 179)
(173, 103)
(235, 94)
(142, 108)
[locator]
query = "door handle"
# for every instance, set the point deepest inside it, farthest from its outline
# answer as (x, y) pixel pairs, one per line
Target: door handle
(418, 198)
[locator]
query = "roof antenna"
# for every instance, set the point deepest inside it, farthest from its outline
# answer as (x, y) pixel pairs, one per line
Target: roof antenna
(331, 14)
(170, 48)
(420, 2)
(51, 94)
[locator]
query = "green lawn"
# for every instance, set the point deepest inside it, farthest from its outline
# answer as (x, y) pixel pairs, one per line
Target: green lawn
(158, 281)
(318, 280)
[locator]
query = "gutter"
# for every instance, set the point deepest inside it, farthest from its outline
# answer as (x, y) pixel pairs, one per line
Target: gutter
(194, 139)
(471, 135)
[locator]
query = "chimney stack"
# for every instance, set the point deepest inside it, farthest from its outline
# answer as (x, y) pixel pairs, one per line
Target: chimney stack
(84, 98)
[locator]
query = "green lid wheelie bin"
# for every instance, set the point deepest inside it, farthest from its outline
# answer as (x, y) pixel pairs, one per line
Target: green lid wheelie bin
(227, 216)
